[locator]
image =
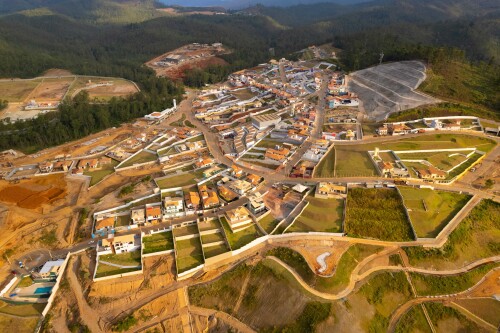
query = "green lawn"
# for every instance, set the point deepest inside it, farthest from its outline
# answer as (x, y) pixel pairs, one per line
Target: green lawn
(124, 259)
(351, 163)
(181, 180)
(142, 157)
(268, 222)
(22, 310)
(321, 215)
(184, 231)
(476, 237)
(213, 251)
(457, 171)
(377, 213)
(26, 281)
(98, 175)
(326, 167)
(20, 325)
(189, 254)
(241, 238)
(430, 210)
(158, 242)
(107, 270)
(209, 225)
(17, 91)
(264, 143)
(122, 220)
(212, 238)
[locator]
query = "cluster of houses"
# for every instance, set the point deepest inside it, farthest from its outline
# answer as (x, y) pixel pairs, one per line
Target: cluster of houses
(451, 123)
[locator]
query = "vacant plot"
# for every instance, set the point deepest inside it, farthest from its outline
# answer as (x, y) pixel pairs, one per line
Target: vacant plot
(413, 321)
(185, 231)
(320, 215)
(158, 242)
(430, 210)
(476, 237)
(189, 254)
(22, 310)
(268, 222)
(326, 167)
(51, 89)
(241, 238)
(448, 284)
(181, 180)
(109, 270)
(447, 319)
(485, 308)
(142, 157)
(376, 213)
(102, 88)
(35, 192)
(243, 94)
(351, 163)
(19, 325)
(17, 90)
(98, 175)
(123, 259)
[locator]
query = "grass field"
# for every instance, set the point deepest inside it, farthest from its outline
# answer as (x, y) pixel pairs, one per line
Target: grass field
(376, 213)
(123, 259)
(22, 310)
(430, 210)
(451, 284)
(181, 180)
(119, 87)
(353, 163)
(441, 160)
(107, 270)
(189, 254)
(26, 281)
(99, 175)
(20, 325)
(326, 167)
(320, 215)
(241, 238)
(158, 242)
(212, 238)
(212, 251)
(476, 237)
(185, 231)
(142, 157)
(268, 222)
(18, 90)
(486, 308)
(413, 321)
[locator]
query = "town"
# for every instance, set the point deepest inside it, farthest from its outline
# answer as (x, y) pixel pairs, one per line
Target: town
(280, 157)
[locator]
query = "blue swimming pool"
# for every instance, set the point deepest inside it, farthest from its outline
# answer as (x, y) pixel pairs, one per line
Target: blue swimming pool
(43, 290)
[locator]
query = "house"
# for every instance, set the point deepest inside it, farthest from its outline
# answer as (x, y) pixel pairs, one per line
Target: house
(153, 214)
(254, 179)
(238, 218)
(62, 165)
(279, 154)
(263, 121)
(240, 186)
(384, 130)
(227, 194)
(211, 171)
(209, 197)
(138, 216)
(385, 167)
(45, 167)
(121, 244)
(173, 205)
(431, 173)
(90, 163)
(204, 162)
(400, 129)
(50, 270)
(192, 200)
(256, 205)
(326, 190)
(236, 172)
(105, 225)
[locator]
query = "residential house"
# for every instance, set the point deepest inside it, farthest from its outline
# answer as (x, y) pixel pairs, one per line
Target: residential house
(173, 205)
(105, 225)
(192, 200)
(121, 244)
(204, 162)
(209, 197)
(385, 167)
(327, 190)
(384, 130)
(138, 216)
(254, 179)
(256, 204)
(45, 167)
(431, 173)
(63, 165)
(240, 186)
(50, 270)
(238, 218)
(227, 194)
(153, 214)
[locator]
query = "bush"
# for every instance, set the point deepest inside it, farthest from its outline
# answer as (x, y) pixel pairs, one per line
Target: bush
(125, 324)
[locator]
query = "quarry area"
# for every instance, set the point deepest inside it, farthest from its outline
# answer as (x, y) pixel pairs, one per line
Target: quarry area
(283, 199)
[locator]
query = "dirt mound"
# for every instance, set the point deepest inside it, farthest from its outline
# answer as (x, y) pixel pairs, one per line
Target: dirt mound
(57, 72)
(116, 287)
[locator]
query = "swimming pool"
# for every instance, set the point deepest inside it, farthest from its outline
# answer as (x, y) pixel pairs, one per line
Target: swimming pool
(43, 290)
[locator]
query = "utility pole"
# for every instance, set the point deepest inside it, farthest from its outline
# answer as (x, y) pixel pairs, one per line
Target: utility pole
(381, 57)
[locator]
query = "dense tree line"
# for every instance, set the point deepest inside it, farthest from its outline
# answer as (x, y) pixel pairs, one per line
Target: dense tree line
(80, 117)
(3, 104)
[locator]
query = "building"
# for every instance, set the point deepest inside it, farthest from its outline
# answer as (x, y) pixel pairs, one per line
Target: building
(263, 121)
(138, 216)
(50, 270)
(211, 171)
(153, 214)
(173, 205)
(431, 173)
(209, 197)
(192, 200)
(121, 244)
(105, 225)
(385, 168)
(227, 194)
(238, 218)
(383, 130)
(204, 162)
(240, 186)
(45, 167)
(254, 179)
(256, 205)
(279, 154)
(62, 165)
(326, 190)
